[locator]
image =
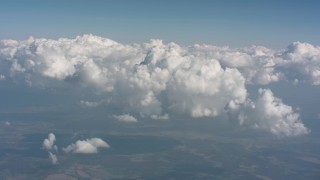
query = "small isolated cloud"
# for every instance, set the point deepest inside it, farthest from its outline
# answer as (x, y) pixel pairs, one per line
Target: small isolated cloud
(126, 118)
(48, 144)
(89, 103)
(89, 146)
(270, 114)
(7, 123)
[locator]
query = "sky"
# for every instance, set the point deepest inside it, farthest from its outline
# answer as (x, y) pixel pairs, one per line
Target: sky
(163, 60)
(272, 23)
(251, 64)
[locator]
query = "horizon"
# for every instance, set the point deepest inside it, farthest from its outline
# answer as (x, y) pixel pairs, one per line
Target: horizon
(274, 24)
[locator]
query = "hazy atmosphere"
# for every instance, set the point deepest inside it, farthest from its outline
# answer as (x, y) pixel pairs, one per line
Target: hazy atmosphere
(136, 89)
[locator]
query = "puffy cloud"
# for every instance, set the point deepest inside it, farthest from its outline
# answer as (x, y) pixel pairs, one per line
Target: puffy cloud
(49, 145)
(126, 118)
(7, 123)
(270, 114)
(301, 62)
(88, 58)
(152, 79)
(256, 63)
(157, 80)
(88, 146)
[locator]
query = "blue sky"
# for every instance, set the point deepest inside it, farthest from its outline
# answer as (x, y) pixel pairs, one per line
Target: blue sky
(271, 23)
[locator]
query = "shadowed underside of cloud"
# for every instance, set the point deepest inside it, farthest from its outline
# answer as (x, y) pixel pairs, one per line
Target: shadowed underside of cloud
(158, 80)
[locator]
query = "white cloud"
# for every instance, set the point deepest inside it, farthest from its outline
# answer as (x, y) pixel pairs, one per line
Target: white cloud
(126, 118)
(7, 123)
(88, 146)
(53, 158)
(301, 62)
(2, 77)
(48, 143)
(158, 80)
(270, 114)
(256, 64)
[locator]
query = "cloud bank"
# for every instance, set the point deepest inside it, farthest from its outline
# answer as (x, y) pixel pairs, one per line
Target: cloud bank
(89, 146)
(159, 81)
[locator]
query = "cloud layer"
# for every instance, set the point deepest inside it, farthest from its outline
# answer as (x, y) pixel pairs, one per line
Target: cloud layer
(89, 146)
(158, 80)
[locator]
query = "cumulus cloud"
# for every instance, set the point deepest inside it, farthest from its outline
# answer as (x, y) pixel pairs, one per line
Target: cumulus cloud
(154, 79)
(301, 62)
(7, 123)
(48, 144)
(270, 114)
(89, 146)
(125, 118)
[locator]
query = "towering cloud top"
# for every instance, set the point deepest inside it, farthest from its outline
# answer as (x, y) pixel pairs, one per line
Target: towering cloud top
(159, 80)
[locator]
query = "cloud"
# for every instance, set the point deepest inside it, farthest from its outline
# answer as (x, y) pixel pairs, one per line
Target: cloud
(89, 103)
(156, 80)
(89, 146)
(160, 117)
(2, 77)
(7, 123)
(126, 118)
(301, 63)
(48, 144)
(270, 114)
(53, 158)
